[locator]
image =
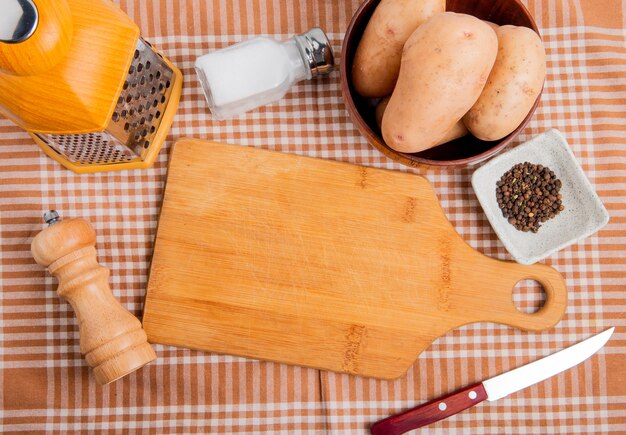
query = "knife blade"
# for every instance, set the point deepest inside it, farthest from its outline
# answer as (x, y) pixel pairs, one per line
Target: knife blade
(492, 389)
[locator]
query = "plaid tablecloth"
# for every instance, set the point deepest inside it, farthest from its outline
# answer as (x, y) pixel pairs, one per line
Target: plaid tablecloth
(45, 385)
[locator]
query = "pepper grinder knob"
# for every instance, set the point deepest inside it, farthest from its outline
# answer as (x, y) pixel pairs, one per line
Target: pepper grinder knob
(51, 217)
(111, 339)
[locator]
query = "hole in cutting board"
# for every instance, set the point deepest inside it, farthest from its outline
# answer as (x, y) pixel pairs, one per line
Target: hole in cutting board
(528, 296)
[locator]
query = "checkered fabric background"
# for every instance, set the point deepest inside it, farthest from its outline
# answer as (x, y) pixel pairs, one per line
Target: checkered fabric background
(46, 387)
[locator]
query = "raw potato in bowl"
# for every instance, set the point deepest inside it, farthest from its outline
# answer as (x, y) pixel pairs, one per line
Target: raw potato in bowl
(513, 86)
(458, 130)
(380, 110)
(377, 59)
(445, 65)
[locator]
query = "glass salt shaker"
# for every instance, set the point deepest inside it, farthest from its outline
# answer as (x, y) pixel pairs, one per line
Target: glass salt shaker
(259, 71)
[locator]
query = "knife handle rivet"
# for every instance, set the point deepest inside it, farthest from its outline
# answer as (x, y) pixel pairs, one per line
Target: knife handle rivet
(443, 406)
(472, 395)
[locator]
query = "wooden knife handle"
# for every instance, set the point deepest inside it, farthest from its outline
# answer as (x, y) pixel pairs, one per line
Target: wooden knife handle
(432, 411)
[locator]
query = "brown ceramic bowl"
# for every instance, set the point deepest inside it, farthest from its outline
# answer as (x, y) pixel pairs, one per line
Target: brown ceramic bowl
(460, 152)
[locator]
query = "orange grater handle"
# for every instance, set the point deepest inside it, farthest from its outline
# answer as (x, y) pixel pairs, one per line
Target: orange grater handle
(43, 40)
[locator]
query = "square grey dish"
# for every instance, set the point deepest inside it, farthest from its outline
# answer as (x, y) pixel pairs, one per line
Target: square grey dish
(584, 213)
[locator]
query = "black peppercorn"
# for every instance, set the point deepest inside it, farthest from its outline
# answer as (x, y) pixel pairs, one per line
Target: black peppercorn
(528, 196)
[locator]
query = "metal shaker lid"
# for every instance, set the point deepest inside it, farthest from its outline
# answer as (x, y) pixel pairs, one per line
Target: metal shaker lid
(316, 51)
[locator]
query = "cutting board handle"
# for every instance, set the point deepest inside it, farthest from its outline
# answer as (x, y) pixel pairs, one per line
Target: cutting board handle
(503, 309)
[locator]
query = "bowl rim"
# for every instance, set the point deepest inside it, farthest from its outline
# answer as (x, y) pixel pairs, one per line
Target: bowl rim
(378, 142)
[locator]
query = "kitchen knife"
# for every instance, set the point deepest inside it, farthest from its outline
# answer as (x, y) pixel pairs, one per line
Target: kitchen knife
(492, 389)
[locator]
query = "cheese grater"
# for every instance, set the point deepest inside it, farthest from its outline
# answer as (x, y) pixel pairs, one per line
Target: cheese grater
(77, 76)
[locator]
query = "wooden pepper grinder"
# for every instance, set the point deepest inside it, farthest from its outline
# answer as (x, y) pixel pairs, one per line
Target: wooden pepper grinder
(111, 338)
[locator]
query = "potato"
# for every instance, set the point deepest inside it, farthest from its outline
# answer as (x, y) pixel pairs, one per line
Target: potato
(494, 26)
(377, 59)
(380, 110)
(458, 130)
(513, 86)
(445, 65)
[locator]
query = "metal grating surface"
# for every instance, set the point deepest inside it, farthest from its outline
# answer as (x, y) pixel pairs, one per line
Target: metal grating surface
(135, 120)
(89, 148)
(143, 99)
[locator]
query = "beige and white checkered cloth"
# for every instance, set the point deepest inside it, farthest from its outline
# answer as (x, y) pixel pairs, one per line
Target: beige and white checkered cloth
(46, 387)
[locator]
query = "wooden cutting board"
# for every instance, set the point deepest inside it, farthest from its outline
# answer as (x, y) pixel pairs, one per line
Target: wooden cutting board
(319, 263)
